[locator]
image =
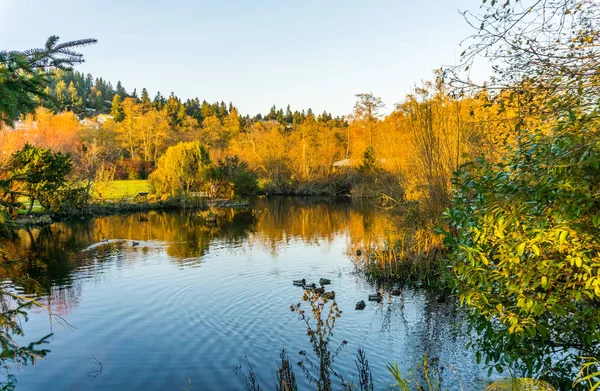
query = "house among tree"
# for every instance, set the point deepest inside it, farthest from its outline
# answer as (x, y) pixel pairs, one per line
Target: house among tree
(341, 163)
(90, 123)
(102, 118)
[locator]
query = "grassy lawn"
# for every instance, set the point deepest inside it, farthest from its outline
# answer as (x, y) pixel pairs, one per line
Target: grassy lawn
(121, 189)
(115, 190)
(37, 208)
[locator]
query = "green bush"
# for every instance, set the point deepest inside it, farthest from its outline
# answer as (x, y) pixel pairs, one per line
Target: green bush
(38, 174)
(525, 242)
(236, 172)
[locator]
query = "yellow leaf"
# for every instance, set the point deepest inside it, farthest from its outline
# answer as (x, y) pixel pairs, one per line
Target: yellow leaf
(562, 237)
(520, 249)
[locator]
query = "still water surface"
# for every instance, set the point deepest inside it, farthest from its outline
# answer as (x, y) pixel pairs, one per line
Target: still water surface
(191, 301)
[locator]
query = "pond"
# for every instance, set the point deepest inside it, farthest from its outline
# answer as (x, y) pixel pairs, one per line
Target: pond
(189, 301)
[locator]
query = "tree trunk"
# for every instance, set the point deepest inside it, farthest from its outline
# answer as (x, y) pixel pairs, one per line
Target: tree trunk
(31, 200)
(88, 190)
(11, 206)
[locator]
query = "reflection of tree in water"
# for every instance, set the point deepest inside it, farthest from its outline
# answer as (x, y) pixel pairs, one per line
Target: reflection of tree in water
(183, 233)
(47, 256)
(58, 256)
(51, 255)
(44, 254)
(315, 221)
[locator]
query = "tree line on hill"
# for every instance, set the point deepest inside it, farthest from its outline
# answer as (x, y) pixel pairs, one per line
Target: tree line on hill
(85, 95)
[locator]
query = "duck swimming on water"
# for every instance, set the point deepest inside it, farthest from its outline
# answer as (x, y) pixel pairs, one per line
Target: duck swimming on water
(300, 282)
(324, 281)
(375, 297)
(312, 285)
(329, 295)
(361, 305)
(134, 243)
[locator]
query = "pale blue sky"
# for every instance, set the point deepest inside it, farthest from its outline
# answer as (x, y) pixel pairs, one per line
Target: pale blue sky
(254, 53)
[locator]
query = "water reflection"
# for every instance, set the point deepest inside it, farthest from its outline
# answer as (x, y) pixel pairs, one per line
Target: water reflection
(201, 297)
(50, 255)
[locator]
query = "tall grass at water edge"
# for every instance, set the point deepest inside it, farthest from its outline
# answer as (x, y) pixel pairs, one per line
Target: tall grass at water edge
(412, 255)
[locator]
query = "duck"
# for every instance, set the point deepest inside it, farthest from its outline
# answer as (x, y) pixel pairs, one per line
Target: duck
(361, 305)
(320, 290)
(134, 243)
(104, 240)
(375, 297)
(312, 285)
(358, 253)
(300, 282)
(396, 292)
(328, 295)
(324, 281)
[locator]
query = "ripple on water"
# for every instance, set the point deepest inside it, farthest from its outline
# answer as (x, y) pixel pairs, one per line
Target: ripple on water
(181, 306)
